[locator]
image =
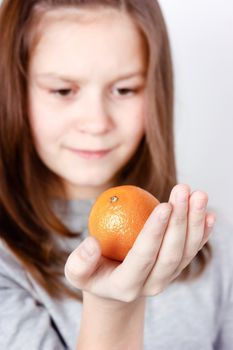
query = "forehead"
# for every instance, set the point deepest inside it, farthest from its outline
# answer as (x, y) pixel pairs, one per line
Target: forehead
(88, 40)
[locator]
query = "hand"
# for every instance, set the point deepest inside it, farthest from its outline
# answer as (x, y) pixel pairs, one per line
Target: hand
(169, 240)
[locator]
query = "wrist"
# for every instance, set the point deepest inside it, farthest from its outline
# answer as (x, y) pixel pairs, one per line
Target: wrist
(110, 305)
(111, 324)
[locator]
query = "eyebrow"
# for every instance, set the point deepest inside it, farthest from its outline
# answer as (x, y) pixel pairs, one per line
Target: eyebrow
(127, 75)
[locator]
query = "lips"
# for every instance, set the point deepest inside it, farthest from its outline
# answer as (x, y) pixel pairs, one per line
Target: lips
(90, 154)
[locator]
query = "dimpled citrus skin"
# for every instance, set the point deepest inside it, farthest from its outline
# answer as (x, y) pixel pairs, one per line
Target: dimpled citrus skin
(117, 217)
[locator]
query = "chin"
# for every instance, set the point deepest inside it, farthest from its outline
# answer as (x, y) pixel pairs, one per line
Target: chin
(95, 181)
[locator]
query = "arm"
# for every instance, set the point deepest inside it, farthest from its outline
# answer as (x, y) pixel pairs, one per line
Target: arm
(103, 331)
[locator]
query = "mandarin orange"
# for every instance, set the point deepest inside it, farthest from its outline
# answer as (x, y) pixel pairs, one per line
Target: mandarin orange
(117, 217)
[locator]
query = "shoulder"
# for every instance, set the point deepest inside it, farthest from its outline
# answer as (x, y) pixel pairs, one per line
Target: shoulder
(11, 270)
(23, 309)
(7, 258)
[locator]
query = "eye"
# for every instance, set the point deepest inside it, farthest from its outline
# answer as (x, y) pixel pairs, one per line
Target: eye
(64, 92)
(126, 91)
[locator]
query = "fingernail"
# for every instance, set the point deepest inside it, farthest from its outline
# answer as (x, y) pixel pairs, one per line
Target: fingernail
(181, 196)
(211, 222)
(87, 249)
(200, 204)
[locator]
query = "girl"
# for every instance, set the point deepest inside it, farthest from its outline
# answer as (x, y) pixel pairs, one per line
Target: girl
(86, 103)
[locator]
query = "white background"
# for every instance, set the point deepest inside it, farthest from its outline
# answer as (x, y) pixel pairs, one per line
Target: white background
(201, 34)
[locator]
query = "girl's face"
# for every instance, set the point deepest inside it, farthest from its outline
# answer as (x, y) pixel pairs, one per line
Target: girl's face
(87, 97)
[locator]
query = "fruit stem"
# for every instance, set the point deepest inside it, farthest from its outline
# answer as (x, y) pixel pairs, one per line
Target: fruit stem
(114, 199)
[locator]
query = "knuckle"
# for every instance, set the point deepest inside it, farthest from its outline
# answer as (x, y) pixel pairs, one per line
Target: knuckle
(70, 269)
(196, 222)
(171, 260)
(75, 271)
(71, 275)
(179, 220)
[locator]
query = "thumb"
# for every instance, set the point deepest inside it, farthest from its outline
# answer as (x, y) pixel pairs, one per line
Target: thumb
(83, 262)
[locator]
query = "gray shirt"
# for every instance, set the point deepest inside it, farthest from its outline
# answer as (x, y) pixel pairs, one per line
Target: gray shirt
(195, 315)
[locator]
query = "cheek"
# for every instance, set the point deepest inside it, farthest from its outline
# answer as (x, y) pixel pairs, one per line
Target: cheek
(134, 124)
(44, 124)
(135, 132)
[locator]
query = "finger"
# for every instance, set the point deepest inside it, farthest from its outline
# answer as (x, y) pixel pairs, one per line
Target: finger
(178, 188)
(172, 247)
(82, 262)
(209, 225)
(196, 227)
(174, 240)
(140, 260)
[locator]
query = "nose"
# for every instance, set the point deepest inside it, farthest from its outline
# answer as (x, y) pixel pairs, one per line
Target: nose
(93, 115)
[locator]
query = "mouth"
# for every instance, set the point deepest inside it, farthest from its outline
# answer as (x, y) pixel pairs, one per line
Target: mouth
(90, 154)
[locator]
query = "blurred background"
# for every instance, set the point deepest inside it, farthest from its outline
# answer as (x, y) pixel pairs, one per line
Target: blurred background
(201, 35)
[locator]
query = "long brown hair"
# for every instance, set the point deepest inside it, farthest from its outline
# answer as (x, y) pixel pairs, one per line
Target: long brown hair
(27, 221)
